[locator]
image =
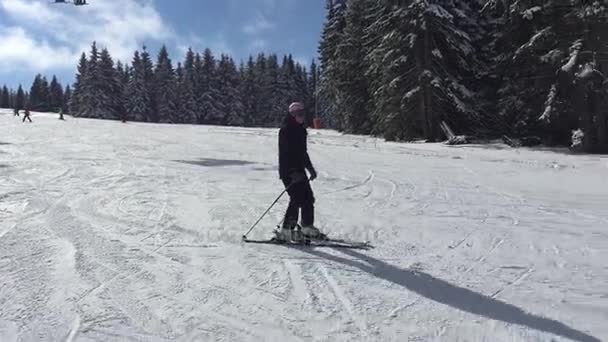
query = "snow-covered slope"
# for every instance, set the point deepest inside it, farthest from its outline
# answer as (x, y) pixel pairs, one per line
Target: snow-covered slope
(131, 232)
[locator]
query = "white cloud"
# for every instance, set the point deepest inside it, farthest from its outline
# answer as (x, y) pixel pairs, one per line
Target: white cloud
(217, 44)
(304, 61)
(18, 50)
(54, 36)
(258, 24)
(258, 44)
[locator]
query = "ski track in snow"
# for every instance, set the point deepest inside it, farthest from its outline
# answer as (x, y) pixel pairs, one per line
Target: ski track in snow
(113, 232)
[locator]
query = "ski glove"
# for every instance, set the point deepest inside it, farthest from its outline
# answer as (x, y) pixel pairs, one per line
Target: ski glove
(313, 174)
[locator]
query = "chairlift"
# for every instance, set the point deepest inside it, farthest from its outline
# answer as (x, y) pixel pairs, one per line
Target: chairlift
(73, 2)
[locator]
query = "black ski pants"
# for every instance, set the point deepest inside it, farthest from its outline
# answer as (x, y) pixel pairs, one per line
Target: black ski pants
(301, 198)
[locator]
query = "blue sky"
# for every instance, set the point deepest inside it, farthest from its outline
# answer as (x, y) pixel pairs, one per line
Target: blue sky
(39, 37)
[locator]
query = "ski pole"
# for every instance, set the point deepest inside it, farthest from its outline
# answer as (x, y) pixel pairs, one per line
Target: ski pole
(266, 212)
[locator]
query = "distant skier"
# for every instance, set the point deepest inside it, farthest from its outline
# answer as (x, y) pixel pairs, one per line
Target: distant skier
(293, 163)
(26, 115)
(15, 112)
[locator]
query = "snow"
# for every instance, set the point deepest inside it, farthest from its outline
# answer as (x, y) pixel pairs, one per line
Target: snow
(411, 93)
(546, 116)
(536, 39)
(439, 12)
(529, 13)
(437, 53)
(114, 232)
(574, 51)
(552, 56)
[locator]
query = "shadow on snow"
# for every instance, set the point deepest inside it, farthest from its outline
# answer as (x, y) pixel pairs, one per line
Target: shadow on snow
(208, 162)
(456, 297)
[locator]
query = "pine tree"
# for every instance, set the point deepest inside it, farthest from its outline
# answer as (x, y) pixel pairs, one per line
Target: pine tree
(75, 104)
(264, 80)
(36, 94)
(353, 96)
(88, 96)
(228, 87)
(5, 98)
(380, 15)
(67, 97)
(20, 99)
(55, 95)
(186, 111)
(138, 104)
(122, 72)
(147, 69)
(188, 89)
(210, 103)
(250, 91)
(332, 33)
(313, 77)
(165, 87)
(275, 84)
(12, 97)
(108, 89)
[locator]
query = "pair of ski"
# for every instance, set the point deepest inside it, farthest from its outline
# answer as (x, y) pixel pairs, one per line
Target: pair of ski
(320, 241)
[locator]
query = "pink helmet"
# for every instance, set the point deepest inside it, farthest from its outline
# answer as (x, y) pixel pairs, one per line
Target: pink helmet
(296, 106)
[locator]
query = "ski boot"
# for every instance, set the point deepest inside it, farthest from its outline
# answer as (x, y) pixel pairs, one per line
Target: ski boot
(312, 233)
(287, 235)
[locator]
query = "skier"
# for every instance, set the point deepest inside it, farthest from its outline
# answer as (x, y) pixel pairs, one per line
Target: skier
(15, 112)
(293, 163)
(26, 115)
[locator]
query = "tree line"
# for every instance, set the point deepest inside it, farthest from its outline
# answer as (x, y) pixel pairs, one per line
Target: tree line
(42, 96)
(201, 89)
(529, 68)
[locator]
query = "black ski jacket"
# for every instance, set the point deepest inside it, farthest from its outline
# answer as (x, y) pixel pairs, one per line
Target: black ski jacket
(293, 151)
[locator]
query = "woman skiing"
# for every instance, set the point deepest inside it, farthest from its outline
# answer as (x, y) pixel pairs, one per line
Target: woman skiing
(293, 163)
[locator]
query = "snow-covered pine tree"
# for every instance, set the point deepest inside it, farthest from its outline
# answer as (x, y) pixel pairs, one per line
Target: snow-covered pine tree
(543, 39)
(380, 25)
(198, 79)
(302, 94)
(55, 95)
(211, 107)
(5, 100)
(20, 99)
(427, 61)
(250, 92)
(108, 88)
(75, 103)
(186, 111)
(228, 89)
(88, 96)
(312, 83)
(165, 87)
(331, 37)
(264, 107)
(44, 96)
(67, 96)
(352, 87)
(189, 67)
(531, 54)
(273, 84)
(12, 96)
(36, 94)
(279, 80)
(138, 104)
(122, 72)
(148, 77)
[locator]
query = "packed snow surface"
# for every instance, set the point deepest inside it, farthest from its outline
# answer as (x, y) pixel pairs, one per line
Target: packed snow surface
(132, 232)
